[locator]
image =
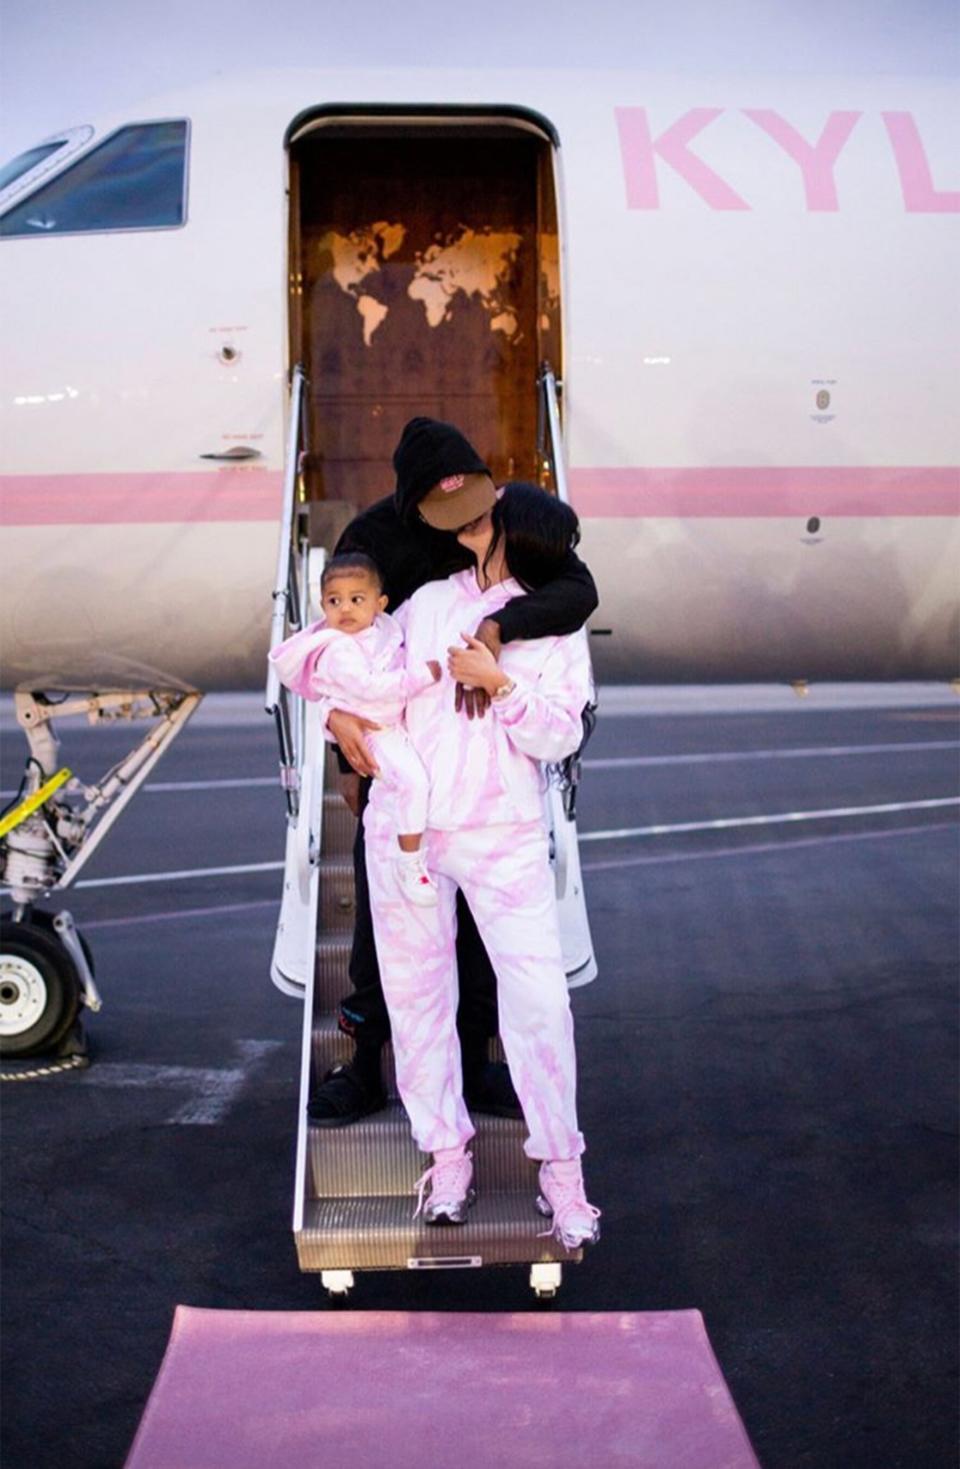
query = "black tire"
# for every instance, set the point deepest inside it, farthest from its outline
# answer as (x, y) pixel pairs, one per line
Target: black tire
(32, 958)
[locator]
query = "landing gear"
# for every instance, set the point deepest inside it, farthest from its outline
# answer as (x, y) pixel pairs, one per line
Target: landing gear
(47, 833)
(40, 987)
(545, 1280)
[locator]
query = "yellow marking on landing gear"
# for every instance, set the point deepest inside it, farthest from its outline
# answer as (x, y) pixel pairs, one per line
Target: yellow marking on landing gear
(31, 804)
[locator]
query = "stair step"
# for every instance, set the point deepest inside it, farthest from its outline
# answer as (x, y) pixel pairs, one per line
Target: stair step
(378, 1156)
(332, 1048)
(339, 827)
(381, 1234)
(337, 902)
(332, 973)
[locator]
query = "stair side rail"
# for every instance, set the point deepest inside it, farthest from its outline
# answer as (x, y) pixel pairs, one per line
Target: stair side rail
(287, 594)
(296, 602)
(551, 432)
(563, 778)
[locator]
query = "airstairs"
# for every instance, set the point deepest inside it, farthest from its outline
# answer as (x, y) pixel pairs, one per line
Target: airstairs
(358, 1186)
(355, 1186)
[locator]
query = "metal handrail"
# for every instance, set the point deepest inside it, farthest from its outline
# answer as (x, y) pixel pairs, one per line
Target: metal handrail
(287, 598)
(566, 774)
(551, 404)
(284, 582)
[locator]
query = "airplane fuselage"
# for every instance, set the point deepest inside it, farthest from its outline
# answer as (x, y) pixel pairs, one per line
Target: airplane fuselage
(760, 345)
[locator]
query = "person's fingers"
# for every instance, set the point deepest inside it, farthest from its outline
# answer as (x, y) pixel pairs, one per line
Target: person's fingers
(458, 698)
(482, 700)
(356, 759)
(360, 757)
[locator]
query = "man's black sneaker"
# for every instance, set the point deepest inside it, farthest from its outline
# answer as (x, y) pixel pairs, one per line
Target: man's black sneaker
(344, 1096)
(488, 1089)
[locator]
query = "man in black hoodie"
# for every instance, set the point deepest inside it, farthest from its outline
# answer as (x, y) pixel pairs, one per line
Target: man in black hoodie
(439, 476)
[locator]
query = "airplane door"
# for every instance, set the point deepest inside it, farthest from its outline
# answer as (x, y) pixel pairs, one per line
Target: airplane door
(426, 281)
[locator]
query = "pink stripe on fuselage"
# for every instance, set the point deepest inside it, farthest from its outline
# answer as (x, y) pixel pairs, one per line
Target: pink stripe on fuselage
(237, 495)
(743, 493)
(148, 497)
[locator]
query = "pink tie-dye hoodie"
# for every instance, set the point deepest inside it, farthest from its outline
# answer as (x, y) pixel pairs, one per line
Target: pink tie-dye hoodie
(363, 673)
(486, 771)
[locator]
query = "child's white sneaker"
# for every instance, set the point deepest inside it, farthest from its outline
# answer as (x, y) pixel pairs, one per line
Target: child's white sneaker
(563, 1199)
(416, 884)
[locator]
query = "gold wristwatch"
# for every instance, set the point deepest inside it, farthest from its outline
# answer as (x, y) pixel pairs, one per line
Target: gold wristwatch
(503, 692)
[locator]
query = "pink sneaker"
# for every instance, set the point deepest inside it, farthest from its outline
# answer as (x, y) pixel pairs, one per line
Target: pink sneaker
(451, 1188)
(562, 1197)
(416, 884)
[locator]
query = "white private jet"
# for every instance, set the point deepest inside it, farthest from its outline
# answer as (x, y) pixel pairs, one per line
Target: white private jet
(735, 294)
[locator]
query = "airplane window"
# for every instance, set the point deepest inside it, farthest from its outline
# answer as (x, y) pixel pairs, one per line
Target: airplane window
(25, 161)
(132, 181)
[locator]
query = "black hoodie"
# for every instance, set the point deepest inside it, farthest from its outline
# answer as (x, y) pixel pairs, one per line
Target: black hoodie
(410, 553)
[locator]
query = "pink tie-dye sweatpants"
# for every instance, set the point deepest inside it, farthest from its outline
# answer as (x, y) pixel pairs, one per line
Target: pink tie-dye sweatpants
(504, 874)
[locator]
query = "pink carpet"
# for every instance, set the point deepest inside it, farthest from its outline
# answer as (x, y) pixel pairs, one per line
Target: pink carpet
(427, 1390)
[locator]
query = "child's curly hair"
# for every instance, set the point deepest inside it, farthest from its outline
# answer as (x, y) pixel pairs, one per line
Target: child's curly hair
(351, 561)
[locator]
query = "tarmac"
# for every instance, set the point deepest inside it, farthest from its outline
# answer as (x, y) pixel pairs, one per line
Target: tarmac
(768, 1074)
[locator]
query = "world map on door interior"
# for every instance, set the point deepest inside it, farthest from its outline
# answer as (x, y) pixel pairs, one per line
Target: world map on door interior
(472, 263)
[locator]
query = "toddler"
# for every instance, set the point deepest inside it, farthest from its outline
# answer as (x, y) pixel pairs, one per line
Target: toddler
(353, 659)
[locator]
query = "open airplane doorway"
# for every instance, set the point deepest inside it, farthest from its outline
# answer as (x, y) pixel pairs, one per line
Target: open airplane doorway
(424, 279)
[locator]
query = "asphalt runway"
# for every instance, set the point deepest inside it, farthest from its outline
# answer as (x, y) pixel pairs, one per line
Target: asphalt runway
(768, 1076)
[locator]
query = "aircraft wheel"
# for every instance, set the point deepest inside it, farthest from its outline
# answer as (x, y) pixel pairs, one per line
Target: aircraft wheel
(39, 989)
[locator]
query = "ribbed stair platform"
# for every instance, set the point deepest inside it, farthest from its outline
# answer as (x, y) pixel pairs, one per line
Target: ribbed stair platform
(380, 1233)
(378, 1155)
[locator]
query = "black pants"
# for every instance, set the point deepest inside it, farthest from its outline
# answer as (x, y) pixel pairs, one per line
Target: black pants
(363, 1014)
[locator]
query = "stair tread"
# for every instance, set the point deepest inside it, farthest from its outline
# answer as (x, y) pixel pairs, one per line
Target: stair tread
(392, 1119)
(378, 1157)
(380, 1232)
(333, 942)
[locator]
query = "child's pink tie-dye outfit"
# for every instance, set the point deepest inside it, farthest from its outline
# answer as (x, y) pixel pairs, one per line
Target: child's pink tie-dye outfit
(486, 835)
(366, 673)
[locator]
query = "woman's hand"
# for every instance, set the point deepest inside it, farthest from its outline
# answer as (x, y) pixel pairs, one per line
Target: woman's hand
(348, 731)
(475, 701)
(475, 666)
(435, 669)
